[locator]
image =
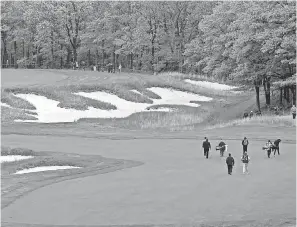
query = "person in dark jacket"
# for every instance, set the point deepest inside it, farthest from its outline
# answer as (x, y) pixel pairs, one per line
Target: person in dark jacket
(245, 144)
(276, 146)
(206, 146)
(205, 138)
(230, 163)
(222, 148)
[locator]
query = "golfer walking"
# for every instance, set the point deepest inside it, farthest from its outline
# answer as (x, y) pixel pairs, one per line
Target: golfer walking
(276, 146)
(206, 147)
(245, 160)
(230, 163)
(245, 144)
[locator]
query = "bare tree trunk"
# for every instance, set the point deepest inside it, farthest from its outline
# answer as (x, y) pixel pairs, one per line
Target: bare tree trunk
(61, 58)
(114, 59)
(131, 62)
(15, 54)
(89, 58)
(52, 49)
(97, 56)
(68, 59)
(293, 89)
(4, 56)
(286, 94)
(103, 54)
(11, 60)
(75, 54)
(281, 96)
(28, 52)
(23, 49)
(2, 61)
(37, 60)
(257, 84)
(266, 85)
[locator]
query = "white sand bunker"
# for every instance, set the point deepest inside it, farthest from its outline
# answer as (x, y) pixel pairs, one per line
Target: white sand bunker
(4, 104)
(135, 91)
(168, 97)
(13, 158)
(175, 97)
(161, 109)
(49, 112)
(210, 85)
(45, 168)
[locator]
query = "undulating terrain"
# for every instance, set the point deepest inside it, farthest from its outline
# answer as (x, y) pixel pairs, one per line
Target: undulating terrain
(125, 149)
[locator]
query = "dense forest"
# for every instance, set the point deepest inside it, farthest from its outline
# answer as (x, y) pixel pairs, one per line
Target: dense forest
(253, 42)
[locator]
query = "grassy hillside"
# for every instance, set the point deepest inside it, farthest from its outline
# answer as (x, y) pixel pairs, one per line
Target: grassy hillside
(62, 86)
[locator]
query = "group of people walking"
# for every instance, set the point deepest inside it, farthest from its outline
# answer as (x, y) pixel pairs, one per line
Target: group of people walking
(245, 159)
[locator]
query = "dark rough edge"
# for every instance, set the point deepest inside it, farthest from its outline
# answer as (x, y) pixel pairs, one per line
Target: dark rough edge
(18, 192)
(281, 222)
(147, 137)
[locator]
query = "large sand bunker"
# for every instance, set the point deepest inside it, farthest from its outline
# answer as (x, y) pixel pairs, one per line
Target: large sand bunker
(49, 112)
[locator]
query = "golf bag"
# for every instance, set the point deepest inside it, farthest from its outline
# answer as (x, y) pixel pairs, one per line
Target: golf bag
(269, 149)
(222, 149)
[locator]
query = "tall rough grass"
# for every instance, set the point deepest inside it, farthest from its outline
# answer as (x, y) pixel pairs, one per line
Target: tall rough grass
(152, 120)
(169, 120)
(16, 102)
(11, 114)
(16, 151)
(262, 120)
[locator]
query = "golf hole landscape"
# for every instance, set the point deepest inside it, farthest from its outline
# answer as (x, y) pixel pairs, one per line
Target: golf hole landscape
(107, 109)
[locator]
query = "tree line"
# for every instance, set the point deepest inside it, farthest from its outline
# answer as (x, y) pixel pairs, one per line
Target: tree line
(252, 42)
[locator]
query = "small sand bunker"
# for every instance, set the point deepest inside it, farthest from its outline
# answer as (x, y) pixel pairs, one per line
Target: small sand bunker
(160, 109)
(206, 84)
(4, 104)
(175, 97)
(135, 91)
(13, 158)
(45, 168)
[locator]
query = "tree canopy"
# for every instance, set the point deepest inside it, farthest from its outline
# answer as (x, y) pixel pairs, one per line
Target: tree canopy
(228, 40)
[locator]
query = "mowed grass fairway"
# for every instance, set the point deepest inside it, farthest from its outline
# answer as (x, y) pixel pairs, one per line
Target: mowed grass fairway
(171, 183)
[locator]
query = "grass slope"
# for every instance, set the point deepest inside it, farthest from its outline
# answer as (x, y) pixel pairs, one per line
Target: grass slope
(15, 186)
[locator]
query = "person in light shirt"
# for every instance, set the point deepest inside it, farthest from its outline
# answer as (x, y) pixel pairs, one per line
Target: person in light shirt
(245, 161)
